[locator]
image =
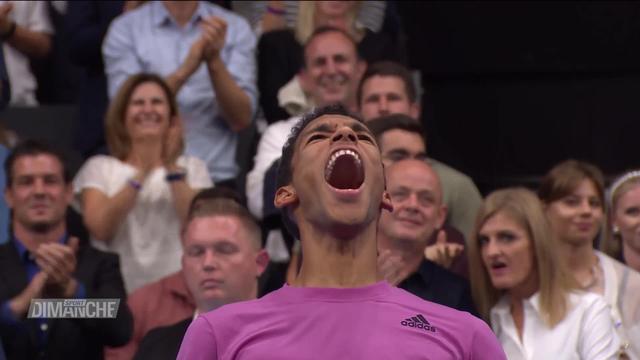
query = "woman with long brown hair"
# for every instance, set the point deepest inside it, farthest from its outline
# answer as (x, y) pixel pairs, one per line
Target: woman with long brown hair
(521, 287)
(573, 196)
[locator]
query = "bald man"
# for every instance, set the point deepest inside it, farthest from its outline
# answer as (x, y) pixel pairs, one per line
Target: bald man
(418, 212)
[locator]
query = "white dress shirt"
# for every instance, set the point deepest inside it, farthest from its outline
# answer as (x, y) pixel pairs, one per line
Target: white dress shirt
(587, 331)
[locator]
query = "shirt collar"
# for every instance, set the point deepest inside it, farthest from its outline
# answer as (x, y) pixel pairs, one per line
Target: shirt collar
(161, 16)
(176, 284)
(22, 250)
(503, 306)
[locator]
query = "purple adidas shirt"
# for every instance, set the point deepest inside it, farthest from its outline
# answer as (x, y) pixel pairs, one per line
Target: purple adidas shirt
(373, 322)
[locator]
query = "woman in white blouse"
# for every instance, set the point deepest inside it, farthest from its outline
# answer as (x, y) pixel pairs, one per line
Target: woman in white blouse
(133, 201)
(622, 240)
(520, 286)
(573, 196)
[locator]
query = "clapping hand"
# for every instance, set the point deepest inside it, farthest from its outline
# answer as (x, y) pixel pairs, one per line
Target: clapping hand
(391, 267)
(58, 262)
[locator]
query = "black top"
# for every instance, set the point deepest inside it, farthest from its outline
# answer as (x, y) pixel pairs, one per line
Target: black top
(99, 273)
(439, 285)
(163, 342)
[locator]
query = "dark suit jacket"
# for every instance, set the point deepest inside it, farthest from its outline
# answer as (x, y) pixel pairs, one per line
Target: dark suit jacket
(439, 285)
(99, 272)
(163, 342)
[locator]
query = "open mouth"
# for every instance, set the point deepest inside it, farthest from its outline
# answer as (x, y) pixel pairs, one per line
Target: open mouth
(498, 265)
(148, 120)
(344, 171)
(333, 82)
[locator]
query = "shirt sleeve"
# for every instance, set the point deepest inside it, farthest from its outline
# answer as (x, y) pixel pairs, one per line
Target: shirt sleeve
(269, 150)
(38, 16)
(197, 173)
(599, 339)
(485, 345)
(199, 342)
(6, 316)
(119, 55)
(242, 62)
(91, 175)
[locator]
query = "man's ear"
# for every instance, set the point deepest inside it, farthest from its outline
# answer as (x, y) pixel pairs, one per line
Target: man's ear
(414, 110)
(304, 81)
(361, 67)
(285, 196)
(442, 216)
(8, 197)
(68, 193)
(386, 203)
(262, 260)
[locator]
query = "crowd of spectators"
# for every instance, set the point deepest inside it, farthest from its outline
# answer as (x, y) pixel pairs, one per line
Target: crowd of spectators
(160, 216)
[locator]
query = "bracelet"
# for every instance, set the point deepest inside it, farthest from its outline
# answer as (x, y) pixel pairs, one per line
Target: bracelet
(176, 176)
(275, 11)
(135, 184)
(10, 32)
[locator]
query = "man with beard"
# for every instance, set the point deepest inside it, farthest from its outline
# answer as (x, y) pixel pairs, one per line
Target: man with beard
(44, 260)
(331, 190)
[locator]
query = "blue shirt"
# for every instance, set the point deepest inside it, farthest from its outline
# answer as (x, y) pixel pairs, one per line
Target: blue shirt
(147, 39)
(30, 266)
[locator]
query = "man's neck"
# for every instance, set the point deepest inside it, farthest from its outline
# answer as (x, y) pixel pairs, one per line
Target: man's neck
(181, 11)
(32, 239)
(631, 256)
(332, 261)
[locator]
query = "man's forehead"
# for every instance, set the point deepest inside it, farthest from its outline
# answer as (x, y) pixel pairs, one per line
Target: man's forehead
(216, 226)
(397, 87)
(396, 139)
(333, 42)
(410, 167)
(39, 162)
(330, 122)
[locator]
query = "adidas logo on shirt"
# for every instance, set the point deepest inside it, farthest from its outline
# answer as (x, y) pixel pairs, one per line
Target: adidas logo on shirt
(419, 322)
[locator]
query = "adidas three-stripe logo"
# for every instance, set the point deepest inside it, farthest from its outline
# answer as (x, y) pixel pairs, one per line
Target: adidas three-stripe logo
(418, 322)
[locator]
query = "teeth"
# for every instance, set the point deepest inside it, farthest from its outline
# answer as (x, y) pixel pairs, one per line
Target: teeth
(339, 153)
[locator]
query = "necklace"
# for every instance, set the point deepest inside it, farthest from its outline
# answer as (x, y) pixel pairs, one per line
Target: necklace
(594, 276)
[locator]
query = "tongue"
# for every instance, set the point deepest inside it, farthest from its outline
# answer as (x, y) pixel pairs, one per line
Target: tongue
(346, 174)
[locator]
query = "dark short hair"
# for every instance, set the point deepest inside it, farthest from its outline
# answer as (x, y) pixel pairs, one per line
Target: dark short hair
(324, 30)
(31, 147)
(389, 68)
(221, 201)
(382, 124)
(285, 170)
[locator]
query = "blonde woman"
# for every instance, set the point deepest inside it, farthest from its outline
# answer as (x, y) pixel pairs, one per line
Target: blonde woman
(573, 196)
(622, 240)
(133, 201)
(519, 285)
